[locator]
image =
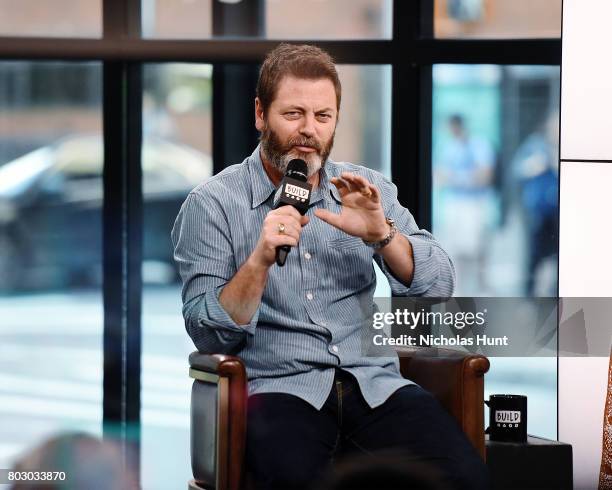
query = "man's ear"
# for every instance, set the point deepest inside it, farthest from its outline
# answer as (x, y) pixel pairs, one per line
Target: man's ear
(259, 115)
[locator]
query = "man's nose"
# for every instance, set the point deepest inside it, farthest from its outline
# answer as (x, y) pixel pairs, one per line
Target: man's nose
(308, 126)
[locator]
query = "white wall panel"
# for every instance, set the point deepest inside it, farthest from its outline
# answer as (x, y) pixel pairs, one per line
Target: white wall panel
(585, 270)
(585, 235)
(586, 86)
(582, 396)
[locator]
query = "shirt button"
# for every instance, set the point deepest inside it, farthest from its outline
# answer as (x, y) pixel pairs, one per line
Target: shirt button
(335, 348)
(323, 324)
(309, 296)
(307, 256)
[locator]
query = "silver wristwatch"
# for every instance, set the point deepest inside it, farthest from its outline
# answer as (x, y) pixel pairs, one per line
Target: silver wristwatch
(387, 239)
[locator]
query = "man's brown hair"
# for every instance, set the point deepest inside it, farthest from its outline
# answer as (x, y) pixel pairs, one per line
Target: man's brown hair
(299, 61)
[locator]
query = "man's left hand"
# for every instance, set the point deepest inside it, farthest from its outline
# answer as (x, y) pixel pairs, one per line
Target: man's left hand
(362, 213)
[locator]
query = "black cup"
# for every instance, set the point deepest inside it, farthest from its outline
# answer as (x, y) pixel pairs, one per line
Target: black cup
(507, 418)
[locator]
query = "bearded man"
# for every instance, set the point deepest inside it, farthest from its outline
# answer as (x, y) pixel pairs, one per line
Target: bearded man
(312, 393)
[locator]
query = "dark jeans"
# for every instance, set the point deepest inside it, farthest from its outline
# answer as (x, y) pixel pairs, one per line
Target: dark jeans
(290, 444)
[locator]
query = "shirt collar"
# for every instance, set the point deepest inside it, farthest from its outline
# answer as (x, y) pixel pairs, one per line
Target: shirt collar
(262, 187)
(325, 189)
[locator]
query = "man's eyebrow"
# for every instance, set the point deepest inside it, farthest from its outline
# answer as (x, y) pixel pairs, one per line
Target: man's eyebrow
(293, 107)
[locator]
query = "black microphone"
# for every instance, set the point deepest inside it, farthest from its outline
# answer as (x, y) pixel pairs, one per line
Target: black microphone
(294, 190)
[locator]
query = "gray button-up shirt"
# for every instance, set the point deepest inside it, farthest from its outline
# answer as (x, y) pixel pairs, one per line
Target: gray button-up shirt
(312, 310)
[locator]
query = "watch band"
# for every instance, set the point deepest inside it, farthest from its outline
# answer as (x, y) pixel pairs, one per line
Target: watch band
(387, 239)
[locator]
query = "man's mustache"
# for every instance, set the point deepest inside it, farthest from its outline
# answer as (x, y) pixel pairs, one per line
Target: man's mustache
(305, 142)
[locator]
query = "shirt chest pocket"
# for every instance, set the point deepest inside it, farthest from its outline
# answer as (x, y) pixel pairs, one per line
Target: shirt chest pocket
(350, 260)
(347, 244)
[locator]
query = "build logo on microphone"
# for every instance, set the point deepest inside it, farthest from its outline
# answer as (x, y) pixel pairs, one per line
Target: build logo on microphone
(296, 192)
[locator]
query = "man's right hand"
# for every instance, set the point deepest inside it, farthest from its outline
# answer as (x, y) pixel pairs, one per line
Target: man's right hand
(271, 237)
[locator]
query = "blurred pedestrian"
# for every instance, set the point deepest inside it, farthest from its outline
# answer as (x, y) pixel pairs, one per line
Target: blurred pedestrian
(536, 167)
(467, 208)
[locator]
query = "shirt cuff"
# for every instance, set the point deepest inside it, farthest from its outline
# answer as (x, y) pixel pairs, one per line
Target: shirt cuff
(214, 315)
(426, 265)
(426, 269)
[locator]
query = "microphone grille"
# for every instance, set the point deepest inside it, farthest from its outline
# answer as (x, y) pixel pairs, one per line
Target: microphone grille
(297, 169)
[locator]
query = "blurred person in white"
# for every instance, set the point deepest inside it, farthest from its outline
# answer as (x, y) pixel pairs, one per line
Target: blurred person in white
(536, 168)
(88, 463)
(468, 207)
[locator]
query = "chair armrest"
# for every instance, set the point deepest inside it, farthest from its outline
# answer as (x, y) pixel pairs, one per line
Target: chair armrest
(456, 379)
(219, 364)
(219, 401)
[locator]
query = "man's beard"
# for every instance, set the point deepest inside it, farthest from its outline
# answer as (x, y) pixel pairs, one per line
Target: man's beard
(279, 155)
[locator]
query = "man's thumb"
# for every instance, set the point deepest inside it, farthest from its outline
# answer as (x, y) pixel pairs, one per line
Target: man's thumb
(329, 217)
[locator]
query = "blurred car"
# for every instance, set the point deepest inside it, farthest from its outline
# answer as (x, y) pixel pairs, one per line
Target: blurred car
(51, 211)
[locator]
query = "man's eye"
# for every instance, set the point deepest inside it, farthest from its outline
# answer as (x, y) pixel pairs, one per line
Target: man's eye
(325, 116)
(292, 114)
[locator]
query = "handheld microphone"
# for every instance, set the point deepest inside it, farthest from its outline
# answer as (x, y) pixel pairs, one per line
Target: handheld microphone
(294, 190)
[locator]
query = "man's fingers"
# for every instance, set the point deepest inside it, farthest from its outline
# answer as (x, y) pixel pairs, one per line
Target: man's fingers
(289, 228)
(280, 240)
(286, 218)
(375, 193)
(352, 177)
(365, 192)
(359, 182)
(356, 183)
(329, 217)
(288, 224)
(290, 214)
(342, 186)
(287, 210)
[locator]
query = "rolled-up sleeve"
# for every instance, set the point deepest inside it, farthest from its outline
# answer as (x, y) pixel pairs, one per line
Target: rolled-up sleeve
(204, 255)
(434, 273)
